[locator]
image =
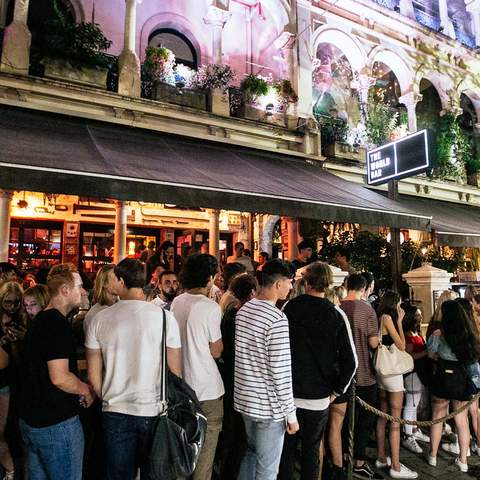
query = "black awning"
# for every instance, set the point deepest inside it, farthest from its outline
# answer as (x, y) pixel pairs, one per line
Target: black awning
(60, 154)
(455, 225)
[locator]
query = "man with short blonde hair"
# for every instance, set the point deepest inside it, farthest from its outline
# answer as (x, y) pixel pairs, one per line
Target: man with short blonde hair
(50, 391)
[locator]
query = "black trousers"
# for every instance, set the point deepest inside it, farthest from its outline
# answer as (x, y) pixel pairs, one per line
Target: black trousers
(312, 427)
(364, 421)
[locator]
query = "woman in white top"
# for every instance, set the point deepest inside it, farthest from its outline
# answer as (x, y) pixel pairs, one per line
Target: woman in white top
(391, 387)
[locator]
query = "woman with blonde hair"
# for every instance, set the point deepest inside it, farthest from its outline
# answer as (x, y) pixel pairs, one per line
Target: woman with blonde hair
(12, 329)
(103, 294)
(436, 321)
(35, 299)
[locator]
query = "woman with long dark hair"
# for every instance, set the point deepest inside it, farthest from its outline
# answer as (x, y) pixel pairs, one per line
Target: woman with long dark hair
(391, 387)
(416, 347)
(455, 346)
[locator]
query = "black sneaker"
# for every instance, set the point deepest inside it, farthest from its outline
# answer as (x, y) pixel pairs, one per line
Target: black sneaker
(366, 472)
(337, 473)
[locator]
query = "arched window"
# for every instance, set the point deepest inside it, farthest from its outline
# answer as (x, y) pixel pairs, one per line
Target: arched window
(178, 43)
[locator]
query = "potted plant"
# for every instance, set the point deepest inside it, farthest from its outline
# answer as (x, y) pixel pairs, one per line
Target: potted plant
(75, 51)
(287, 98)
(216, 80)
(265, 100)
(165, 81)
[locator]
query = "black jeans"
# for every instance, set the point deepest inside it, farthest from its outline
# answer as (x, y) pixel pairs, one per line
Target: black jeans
(312, 427)
(128, 440)
(364, 421)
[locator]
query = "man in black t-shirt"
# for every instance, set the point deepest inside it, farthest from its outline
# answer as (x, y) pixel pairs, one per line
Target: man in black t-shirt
(50, 391)
(305, 251)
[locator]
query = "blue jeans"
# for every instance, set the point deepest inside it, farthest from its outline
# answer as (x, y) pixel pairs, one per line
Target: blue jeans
(264, 449)
(55, 452)
(128, 440)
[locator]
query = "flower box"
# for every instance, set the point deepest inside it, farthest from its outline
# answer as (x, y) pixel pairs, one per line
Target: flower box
(164, 92)
(218, 102)
(251, 112)
(346, 151)
(63, 70)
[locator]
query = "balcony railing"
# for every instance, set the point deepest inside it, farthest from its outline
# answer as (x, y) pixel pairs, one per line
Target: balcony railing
(427, 20)
(390, 4)
(465, 38)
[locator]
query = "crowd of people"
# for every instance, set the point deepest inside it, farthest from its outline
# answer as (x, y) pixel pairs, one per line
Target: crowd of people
(270, 348)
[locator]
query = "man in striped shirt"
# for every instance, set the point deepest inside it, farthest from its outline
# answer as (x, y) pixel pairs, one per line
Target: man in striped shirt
(263, 375)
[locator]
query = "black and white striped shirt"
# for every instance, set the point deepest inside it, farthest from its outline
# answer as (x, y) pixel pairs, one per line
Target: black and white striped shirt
(263, 374)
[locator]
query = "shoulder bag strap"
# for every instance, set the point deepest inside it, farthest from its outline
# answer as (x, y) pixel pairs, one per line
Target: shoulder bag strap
(164, 392)
(380, 332)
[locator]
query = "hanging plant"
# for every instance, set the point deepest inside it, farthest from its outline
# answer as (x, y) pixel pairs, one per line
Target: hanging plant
(382, 119)
(214, 76)
(160, 64)
(466, 151)
(253, 86)
(285, 91)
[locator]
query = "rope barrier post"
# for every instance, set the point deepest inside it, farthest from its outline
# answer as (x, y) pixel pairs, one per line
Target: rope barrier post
(351, 430)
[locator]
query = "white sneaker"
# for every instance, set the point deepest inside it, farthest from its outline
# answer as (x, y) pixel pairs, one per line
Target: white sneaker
(447, 429)
(420, 436)
(411, 444)
(453, 448)
(432, 461)
(403, 473)
(380, 464)
(462, 466)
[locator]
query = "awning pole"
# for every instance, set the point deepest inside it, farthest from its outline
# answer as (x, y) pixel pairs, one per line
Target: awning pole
(395, 241)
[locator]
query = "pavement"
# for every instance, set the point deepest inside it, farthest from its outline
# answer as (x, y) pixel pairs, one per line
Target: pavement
(445, 469)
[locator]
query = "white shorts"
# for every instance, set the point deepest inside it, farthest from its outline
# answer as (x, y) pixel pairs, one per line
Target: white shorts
(390, 383)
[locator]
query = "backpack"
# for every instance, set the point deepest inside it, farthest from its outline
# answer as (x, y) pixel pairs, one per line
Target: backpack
(179, 431)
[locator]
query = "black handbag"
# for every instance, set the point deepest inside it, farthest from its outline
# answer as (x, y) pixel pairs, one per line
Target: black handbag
(450, 380)
(180, 428)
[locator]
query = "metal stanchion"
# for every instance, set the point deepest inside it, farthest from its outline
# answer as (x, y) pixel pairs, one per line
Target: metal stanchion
(351, 430)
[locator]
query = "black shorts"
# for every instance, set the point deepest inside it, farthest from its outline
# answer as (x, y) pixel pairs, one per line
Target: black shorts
(344, 398)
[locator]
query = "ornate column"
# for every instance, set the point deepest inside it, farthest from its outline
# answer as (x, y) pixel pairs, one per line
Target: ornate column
(129, 83)
(451, 103)
(406, 9)
(445, 22)
(213, 232)
(217, 17)
(266, 238)
(410, 101)
(5, 212)
(362, 83)
(473, 7)
(16, 42)
(120, 237)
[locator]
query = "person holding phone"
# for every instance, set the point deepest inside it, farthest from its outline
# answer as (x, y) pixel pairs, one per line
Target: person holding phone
(391, 387)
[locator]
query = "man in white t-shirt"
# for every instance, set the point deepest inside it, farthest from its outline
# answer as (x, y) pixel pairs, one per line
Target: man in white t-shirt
(124, 358)
(199, 321)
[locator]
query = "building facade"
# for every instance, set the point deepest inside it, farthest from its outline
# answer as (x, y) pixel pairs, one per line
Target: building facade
(422, 56)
